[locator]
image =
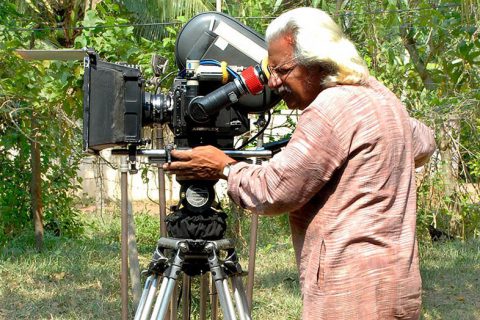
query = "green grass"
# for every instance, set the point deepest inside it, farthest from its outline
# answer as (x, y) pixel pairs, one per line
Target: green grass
(451, 280)
(79, 278)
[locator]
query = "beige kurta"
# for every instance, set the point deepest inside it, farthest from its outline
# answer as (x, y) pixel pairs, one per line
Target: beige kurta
(347, 179)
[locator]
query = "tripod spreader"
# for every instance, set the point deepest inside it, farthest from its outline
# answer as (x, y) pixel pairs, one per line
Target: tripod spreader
(221, 270)
(172, 243)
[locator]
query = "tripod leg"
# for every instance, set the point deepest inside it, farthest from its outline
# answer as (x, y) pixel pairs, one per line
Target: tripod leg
(221, 283)
(161, 296)
(225, 299)
(173, 304)
(170, 277)
(124, 239)
(240, 298)
(143, 298)
(164, 301)
(149, 300)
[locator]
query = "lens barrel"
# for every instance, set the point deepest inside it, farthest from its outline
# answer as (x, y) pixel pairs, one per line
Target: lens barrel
(156, 108)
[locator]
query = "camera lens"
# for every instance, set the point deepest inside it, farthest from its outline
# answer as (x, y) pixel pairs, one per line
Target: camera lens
(156, 108)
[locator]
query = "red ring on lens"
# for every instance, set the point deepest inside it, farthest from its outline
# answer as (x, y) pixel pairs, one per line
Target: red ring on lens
(252, 81)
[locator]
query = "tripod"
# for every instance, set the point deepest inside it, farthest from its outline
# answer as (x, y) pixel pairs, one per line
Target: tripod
(196, 229)
(193, 257)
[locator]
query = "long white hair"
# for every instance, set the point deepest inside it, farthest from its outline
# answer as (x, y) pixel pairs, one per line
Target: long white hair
(318, 40)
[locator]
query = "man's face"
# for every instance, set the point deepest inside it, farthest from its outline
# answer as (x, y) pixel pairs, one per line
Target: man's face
(297, 85)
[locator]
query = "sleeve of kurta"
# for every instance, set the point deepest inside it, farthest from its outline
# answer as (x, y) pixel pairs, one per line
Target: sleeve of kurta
(294, 175)
(423, 142)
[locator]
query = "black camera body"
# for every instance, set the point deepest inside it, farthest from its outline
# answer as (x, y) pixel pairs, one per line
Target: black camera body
(221, 80)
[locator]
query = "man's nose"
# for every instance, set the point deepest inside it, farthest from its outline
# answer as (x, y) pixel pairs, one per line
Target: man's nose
(274, 82)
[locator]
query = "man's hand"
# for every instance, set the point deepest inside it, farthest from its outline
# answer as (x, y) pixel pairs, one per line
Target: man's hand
(200, 163)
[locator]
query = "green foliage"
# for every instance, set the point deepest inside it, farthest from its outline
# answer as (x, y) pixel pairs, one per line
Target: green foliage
(158, 17)
(150, 229)
(109, 30)
(429, 55)
(47, 92)
(255, 14)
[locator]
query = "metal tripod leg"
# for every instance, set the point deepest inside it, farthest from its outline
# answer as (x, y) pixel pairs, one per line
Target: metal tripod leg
(234, 270)
(214, 300)
(240, 298)
(147, 297)
(173, 304)
(225, 300)
(161, 297)
(221, 283)
(168, 283)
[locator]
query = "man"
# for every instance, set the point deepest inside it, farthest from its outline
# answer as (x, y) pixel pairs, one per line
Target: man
(346, 177)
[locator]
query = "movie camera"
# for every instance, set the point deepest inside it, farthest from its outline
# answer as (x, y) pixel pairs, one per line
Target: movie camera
(221, 79)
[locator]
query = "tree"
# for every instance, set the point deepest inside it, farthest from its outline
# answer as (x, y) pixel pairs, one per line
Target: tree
(34, 95)
(429, 54)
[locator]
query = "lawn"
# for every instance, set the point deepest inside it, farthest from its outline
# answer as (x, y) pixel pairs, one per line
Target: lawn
(79, 278)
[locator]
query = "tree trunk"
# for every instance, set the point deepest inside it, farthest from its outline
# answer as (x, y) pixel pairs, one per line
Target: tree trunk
(36, 185)
(450, 156)
(406, 33)
(420, 66)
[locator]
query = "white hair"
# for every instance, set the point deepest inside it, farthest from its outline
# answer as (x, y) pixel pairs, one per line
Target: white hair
(318, 40)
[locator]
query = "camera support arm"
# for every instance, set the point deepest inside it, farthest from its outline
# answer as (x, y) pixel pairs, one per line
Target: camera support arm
(164, 154)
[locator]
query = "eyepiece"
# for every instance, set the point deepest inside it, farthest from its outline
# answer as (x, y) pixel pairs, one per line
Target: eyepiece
(252, 79)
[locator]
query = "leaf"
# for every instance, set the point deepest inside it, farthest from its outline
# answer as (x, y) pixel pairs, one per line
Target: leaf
(91, 19)
(464, 48)
(457, 61)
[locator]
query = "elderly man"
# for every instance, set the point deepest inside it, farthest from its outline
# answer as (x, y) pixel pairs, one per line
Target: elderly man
(346, 177)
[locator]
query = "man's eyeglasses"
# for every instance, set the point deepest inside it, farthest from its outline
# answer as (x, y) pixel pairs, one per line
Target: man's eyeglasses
(281, 71)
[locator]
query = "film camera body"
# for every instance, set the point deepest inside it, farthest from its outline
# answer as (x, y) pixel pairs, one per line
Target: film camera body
(221, 79)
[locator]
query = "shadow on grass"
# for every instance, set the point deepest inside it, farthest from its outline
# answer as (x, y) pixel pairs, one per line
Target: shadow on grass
(451, 280)
(277, 278)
